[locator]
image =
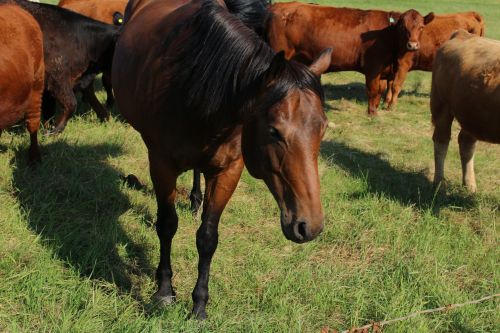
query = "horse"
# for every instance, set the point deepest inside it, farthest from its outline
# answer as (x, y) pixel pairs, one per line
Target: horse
(465, 86)
(22, 73)
(206, 92)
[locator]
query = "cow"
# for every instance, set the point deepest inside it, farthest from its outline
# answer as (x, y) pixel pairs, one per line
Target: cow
(434, 35)
(465, 87)
(22, 72)
(107, 11)
(367, 41)
(76, 48)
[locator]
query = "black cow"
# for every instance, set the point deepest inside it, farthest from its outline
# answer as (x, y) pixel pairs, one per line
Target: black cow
(76, 49)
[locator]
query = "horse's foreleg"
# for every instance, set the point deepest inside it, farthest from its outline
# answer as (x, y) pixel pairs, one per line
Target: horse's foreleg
(219, 189)
(164, 180)
(467, 146)
(196, 197)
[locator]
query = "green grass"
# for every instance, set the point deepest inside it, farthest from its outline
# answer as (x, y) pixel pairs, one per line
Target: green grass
(78, 249)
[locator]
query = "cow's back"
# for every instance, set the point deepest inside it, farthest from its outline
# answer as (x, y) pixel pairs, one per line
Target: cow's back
(466, 79)
(21, 64)
(440, 30)
(304, 30)
(98, 10)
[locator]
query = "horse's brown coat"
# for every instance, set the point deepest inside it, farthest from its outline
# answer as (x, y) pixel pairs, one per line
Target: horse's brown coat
(21, 72)
(466, 87)
(171, 72)
(367, 41)
(434, 35)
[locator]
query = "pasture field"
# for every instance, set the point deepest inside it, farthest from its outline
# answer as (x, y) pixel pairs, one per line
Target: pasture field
(78, 249)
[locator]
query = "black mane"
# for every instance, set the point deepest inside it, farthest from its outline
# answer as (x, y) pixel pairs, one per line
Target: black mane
(222, 63)
(253, 13)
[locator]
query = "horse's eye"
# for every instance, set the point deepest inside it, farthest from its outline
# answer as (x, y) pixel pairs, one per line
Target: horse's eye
(275, 134)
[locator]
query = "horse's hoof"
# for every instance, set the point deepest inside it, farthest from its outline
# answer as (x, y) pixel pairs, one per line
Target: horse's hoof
(163, 300)
(199, 314)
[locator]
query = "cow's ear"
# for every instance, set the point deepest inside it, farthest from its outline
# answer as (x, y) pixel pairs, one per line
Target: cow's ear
(322, 62)
(277, 66)
(117, 18)
(429, 18)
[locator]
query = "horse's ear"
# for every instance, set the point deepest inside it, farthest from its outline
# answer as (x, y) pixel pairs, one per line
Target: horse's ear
(322, 62)
(277, 66)
(429, 18)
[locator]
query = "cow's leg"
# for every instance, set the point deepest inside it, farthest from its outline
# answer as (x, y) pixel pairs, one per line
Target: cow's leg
(467, 144)
(48, 107)
(196, 197)
(442, 133)
(106, 83)
(382, 88)
(164, 180)
(388, 94)
(66, 97)
(32, 125)
(90, 97)
(219, 189)
(373, 92)
(397, 85)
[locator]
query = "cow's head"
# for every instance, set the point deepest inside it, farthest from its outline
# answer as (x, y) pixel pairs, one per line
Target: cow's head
(409, 28)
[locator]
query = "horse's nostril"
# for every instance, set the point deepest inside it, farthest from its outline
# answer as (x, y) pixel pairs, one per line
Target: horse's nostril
(302, 230)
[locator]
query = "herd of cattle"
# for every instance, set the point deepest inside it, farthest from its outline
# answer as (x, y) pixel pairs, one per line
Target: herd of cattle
(157, 54)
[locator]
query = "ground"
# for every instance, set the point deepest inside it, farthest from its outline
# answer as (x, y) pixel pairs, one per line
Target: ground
(78, 249)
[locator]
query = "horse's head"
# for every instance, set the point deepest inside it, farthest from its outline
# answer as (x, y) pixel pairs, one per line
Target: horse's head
(281, 141)
(409, 28)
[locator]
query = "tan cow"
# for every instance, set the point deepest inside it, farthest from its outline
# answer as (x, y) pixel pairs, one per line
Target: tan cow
(466, 87)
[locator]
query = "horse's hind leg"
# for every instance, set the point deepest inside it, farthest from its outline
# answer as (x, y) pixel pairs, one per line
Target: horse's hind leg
(196, 197)
(164, 180)
(467, 145)
(218, 190)
(442, 120)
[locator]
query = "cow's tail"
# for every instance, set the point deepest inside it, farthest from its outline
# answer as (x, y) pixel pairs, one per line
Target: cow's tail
(253, 13)
(480, 21)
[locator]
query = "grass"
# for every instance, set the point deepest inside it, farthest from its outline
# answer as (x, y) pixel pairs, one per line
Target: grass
(78, 249)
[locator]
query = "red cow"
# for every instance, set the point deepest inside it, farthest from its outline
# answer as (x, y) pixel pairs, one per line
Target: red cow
(22, 72)
(434, 35)
(367, 41)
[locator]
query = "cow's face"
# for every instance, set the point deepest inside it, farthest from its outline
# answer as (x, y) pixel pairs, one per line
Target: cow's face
(409, 27)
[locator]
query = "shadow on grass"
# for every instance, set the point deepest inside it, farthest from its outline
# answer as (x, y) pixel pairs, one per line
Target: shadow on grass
(74, 202)
(407, 187)
(356, 92)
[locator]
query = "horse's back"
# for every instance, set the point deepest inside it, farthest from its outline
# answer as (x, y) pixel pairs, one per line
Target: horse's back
(141, 50)
(466, 81)
(21, 63)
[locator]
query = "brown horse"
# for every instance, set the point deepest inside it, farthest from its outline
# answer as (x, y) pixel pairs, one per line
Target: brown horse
(22, 72)
(206, 92)
(465, 86)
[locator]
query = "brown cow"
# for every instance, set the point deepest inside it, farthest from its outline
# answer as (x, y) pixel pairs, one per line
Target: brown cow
(367, 41)
(434, 35)
(465, 86)
(22, 72)
(107, 11)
